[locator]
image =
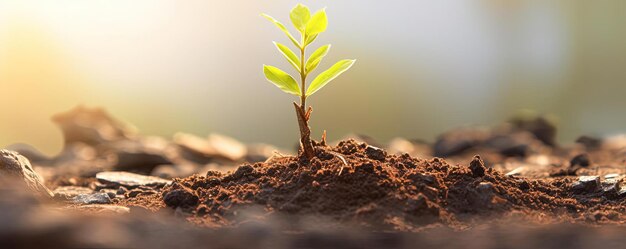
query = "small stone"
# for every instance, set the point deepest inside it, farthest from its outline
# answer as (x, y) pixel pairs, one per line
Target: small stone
(457, 141)
(134, 193)
(121, 191)
(586, 184)
(129, 180)
(169, 171)
(92, 126)
(477, 166)
(180, 198)
(580, 160)
(375, 153)
(110, 192)
(215, 146)
(96, 198)
(103, 209)
(591, 143)
(69, 192)
(15, 168)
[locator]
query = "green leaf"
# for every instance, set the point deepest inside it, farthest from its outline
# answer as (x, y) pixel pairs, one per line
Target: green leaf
(281, 79)
(283, 28)
(316, 58)
(289, 55)
(328, 75)
(300, 16)
(318, 23)
(309, 39)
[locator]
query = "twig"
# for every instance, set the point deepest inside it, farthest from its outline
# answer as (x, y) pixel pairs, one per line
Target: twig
(345, 163)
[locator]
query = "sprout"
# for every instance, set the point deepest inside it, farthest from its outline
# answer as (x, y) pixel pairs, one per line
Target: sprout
(309, 26)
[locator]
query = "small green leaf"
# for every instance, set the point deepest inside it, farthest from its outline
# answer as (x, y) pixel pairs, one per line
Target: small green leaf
(318, 23)
(316, 58)
(300, 16)
(309, 39)
(281, 79)
(289, 55)
(328, 75)
(283, 28)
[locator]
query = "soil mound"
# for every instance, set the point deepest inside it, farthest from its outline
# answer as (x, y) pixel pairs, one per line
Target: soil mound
(360, 184)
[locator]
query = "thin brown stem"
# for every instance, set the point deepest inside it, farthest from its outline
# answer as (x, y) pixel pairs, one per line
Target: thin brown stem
(301, 112)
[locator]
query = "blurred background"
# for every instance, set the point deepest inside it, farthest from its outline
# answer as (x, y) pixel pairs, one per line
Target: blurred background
(422, 66)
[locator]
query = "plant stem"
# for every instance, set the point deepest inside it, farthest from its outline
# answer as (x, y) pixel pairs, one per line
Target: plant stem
(301, 112)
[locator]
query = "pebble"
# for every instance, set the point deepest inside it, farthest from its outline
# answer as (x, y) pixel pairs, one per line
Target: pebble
(16, 168)
(375, 153)
(68, 192)
(96, 198)
(214, 146)
(103, 209)
(586, 184)
(129, 180)
(580, 160)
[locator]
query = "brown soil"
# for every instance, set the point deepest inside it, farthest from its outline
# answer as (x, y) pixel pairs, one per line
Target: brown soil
(377, 191)
(511, 186)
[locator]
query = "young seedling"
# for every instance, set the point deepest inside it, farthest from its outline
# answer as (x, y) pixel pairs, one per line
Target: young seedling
(309, 26)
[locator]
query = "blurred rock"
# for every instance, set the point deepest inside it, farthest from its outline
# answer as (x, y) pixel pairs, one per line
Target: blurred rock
(590, 143)
(102, 209)
(169, 171)
(95, 198)
(458, 141)
(581, 160)
(69, 192)
(141, 155)
(14, 168)
(92, 126)
(116, 179)
(216, 146)
(586, 184)
(541, 127)
(515, 144)
(31, 153)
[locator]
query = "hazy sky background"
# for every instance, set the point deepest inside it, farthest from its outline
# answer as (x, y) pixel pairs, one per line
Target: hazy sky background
(422, 66)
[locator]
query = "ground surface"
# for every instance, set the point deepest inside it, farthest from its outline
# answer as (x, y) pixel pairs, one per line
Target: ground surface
(508, 186)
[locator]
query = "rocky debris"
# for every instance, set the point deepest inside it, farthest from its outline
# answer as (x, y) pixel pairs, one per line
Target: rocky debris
(169, 171)
(141, 155)
(102, 209)
(513, 145)
(69, 192)
(477, 166)
(586, 184)
(116, 179)
(95, 198)
(540, 126)
(459, 140)
(590, 143)
(91, 126)
(581, 160)
(180, 198)
(215, 146)
(17, 169)
(375, 153)
(137, 192)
